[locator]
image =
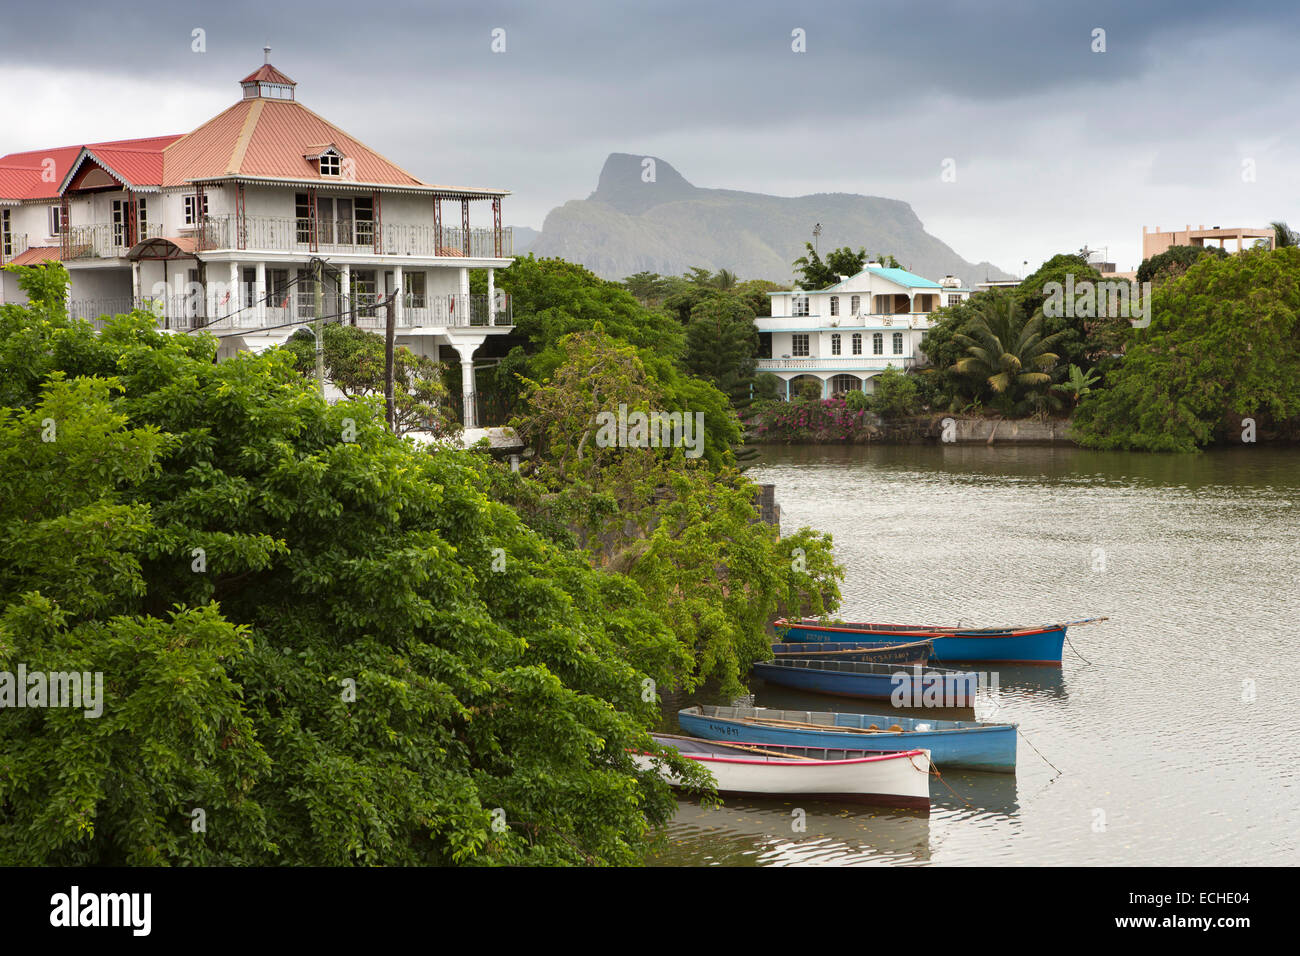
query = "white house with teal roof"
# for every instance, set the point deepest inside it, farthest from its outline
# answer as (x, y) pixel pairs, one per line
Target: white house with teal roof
(846, 334)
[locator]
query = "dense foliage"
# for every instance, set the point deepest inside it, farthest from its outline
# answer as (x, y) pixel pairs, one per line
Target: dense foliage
(318, 644)
(813, 420)
(355, 363)
(1223, 345)
(1173, 262)
(553, 298)
(685, 532)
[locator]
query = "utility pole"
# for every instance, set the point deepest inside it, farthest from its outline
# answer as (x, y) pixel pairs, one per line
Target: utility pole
(320, 325)
(390, 334)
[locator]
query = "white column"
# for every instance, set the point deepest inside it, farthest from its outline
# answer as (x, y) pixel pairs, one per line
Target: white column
(492, 296)
(135, 283)
(467, 390)
(259, 293)
(464, 282)
(398, 312)
(234, 303)
(345, 292)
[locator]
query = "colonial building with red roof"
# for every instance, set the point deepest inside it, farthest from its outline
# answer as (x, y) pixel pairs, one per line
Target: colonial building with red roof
(223, 229)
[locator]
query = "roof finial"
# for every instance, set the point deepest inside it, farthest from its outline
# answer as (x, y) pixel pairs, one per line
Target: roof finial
(267, 57)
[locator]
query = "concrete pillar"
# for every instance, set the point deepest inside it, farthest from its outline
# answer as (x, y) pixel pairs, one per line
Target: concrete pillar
(259, 293)
(135, 283)
(399, 311)
(464, 282)
(345, 291)
(467, 391)
(233, 303)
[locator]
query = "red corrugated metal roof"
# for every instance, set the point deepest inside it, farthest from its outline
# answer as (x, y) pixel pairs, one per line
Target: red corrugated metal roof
(137, 166)
(140, 158)
(267, 74)
(270, 138)
(34, 256)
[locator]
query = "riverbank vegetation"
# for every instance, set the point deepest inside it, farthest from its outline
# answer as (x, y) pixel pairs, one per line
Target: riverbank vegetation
(322, 645)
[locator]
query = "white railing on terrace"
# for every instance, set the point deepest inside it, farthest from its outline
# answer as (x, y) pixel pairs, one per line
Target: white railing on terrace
(12, 244)
(900, 320)
(101, 240)
(270, 234)
(869, 363)
(186, 313)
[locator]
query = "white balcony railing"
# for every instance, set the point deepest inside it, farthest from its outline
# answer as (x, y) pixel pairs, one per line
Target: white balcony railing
(12, 244)
(904, 320)
(876, 363)
(101, 240)
(186, 313)
(271, 234)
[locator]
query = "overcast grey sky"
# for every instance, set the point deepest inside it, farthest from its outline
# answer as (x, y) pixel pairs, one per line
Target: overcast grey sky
(1053, 145)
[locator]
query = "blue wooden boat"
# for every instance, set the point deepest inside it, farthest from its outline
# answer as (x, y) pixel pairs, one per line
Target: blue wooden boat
(902, 686)
(953, 744)
(1004, 645)
(880, 652)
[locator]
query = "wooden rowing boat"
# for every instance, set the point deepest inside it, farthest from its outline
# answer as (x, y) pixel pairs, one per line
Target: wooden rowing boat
(897, 778)
(1041, 644)
(879, 652)
(904, 686)
(953, 744)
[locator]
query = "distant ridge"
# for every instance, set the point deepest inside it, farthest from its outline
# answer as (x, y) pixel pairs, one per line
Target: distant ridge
(667, 226)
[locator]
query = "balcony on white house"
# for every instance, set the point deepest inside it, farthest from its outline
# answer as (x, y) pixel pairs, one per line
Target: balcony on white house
(101, 240)
(359, 236)
(184, 313)
(863, 320)
(864, 363)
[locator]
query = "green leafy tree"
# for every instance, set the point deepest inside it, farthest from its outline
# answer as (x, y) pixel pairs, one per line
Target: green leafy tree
(335, 645)
(1174, 261)
(1283, 235)
(845, 262)
(896, 394)
(355, 362)
(686, 534)
(722, 345)
(815, 274)
(1223, 345)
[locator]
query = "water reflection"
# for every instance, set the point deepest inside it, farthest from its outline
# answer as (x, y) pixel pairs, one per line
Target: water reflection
(752, 832)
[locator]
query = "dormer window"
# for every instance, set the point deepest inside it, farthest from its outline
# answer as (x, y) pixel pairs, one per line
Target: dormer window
(327, 159)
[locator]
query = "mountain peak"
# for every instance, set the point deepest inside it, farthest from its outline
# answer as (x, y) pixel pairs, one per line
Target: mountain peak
(632, 183)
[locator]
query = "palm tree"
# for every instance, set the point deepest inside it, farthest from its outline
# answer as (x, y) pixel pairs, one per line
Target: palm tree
(1283, 236)
(1009, 353)
(724, 279)
(1078, 384)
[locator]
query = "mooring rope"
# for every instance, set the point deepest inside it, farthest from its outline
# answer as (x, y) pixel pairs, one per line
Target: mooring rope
(1075, 649)
(1039, 752)
(934, 769)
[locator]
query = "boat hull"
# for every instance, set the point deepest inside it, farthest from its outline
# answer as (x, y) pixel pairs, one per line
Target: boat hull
(894, 779)
(1003, 647)
(909, 654)
(905, 687)
(953, 744)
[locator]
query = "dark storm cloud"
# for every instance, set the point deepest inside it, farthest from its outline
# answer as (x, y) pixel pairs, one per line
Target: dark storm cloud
(884, 93)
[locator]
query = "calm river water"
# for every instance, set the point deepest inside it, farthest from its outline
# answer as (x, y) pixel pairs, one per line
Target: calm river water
(1175, 743)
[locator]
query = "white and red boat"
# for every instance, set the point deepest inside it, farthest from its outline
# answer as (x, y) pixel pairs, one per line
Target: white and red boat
(898, 778)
